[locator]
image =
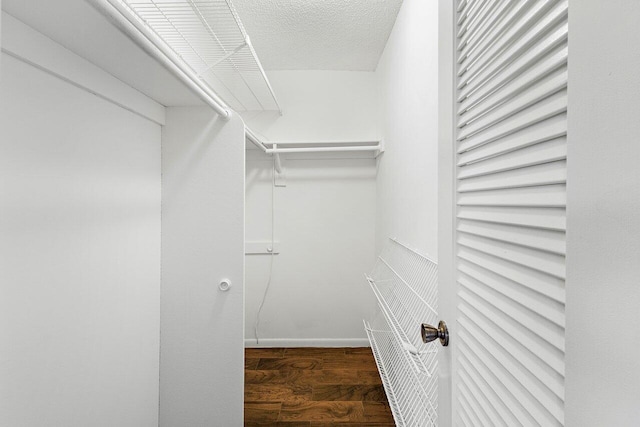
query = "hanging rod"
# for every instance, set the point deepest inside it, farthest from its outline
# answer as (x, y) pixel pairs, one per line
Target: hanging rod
(341, 147)
(149, 41)
(278, 150)
(338, 146)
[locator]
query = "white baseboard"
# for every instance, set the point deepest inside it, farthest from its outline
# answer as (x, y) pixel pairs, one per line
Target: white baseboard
(307, 342)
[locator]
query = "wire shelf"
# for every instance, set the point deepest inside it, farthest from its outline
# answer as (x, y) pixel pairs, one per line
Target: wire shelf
(405, 284)
(209, 36)
(413, 400)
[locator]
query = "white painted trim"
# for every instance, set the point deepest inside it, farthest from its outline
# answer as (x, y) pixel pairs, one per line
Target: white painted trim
(28, 45)
(1, 38)
(446, 204)
(306, 342)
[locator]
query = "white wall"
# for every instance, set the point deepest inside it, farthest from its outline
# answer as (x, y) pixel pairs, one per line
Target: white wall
(201, 360)
(603, 239)
(407, 74)
(79, 256)
(325, 216)
(319, 106)
(31, 46)
(325, 225)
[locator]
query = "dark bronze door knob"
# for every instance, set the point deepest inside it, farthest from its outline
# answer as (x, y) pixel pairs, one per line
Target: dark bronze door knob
(431, 333)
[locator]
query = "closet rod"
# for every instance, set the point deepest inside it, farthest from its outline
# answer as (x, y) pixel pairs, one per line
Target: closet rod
(276, 151)
(322, 149)
(363, 143)
(151, 43)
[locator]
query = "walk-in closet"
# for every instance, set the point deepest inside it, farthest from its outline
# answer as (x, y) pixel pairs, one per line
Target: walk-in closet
(319, 213)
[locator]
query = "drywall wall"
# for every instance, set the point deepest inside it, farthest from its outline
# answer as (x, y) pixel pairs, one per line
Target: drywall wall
(201, 359)
(31, 46)
(407, 206)
(319, 106)
(603, 244)
(325, 216)
(324, 233)
(82, 29)
(79, 256)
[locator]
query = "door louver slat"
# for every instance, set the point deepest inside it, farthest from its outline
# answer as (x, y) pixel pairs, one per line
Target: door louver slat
(551, 311)
(494, 11)
(531, 176)
(539, 132)
(523, 366)
(503, 52)
(511, 161)
(468, 389)
(553, 196)
(536, 281)
(528, 59)
(481, 118)
(520, 392)
(478, 417)
(544, 240)
(546, 108)
(491, 97)
(493, 402)
(485, 368)
(546, 219)
(516, 10)
(537, 154)
(550, 264)
(472, 17)
(546, 331)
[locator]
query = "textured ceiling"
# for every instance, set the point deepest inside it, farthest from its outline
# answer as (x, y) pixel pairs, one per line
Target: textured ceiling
(318, 34)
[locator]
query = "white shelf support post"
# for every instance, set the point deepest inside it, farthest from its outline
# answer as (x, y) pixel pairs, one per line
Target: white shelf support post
(279, 178)
(221, 60)
(380, 148)
(277, 157)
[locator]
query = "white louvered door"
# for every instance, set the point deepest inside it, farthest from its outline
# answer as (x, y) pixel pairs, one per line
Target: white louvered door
(511, 118)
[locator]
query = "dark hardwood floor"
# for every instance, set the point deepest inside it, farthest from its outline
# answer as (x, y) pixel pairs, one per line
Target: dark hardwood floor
(314, 387)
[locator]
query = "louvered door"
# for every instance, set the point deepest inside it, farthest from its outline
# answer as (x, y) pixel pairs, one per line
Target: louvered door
(511, 105)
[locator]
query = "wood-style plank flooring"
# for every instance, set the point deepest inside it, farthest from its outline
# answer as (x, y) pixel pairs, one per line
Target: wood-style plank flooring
(313, 387)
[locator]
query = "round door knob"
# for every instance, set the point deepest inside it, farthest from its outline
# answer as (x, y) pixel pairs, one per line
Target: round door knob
(225, 285)
(431, 333)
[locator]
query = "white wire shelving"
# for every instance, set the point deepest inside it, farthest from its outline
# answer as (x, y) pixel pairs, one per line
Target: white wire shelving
(210, 38)
(277, 148)
(404, 283)
(204, 45)
(412, 398)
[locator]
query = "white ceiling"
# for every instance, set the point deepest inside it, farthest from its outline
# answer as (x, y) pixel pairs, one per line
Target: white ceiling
(80, 28)
(319, 34)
